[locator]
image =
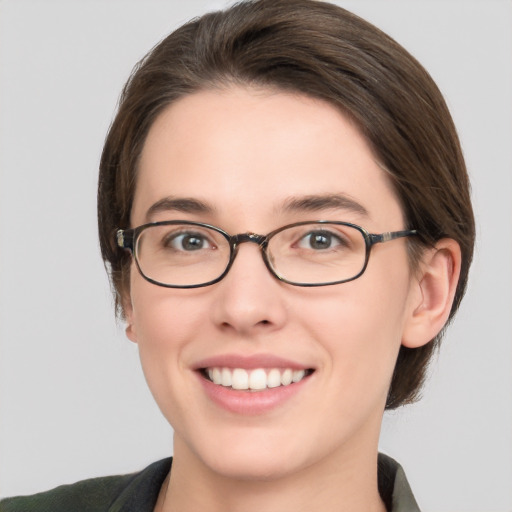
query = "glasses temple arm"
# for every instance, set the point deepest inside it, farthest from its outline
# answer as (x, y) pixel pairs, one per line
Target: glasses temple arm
(124, 238)
(391, 235)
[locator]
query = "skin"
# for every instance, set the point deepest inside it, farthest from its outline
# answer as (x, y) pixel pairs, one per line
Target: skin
(245, 152)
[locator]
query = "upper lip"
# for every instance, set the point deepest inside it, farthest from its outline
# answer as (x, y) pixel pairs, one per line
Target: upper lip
(249, 362)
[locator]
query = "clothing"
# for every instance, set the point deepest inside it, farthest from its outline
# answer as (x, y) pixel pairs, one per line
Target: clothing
(138, 492)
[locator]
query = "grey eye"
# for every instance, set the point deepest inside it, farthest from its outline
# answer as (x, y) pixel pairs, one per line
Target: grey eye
(188, 242)
(319, 240)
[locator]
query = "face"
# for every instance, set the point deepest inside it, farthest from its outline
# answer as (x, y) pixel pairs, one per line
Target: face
(243, 156)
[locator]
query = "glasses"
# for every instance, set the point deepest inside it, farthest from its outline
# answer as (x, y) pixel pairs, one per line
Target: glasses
(182, 254)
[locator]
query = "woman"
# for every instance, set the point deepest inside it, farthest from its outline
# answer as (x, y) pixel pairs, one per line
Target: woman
(298, 126)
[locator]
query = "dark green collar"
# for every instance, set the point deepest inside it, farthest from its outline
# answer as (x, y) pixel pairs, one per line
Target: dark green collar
(143, 490)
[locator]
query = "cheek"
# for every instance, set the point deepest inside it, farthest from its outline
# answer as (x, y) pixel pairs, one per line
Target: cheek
(162, 318)
(359, 327)
(164, 324)
(354, 330)
(165, 328)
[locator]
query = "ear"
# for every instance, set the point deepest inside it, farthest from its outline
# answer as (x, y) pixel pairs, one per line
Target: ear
(433, 293)
(130, 330)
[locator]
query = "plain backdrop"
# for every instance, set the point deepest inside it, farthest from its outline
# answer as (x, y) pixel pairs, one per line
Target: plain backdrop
(73, 401)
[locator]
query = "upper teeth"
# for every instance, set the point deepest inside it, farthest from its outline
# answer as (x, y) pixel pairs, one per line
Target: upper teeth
(260, 378)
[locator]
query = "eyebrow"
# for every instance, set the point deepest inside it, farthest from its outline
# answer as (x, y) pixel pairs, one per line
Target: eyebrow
(310, 203)
(314, 203)
(178, 204)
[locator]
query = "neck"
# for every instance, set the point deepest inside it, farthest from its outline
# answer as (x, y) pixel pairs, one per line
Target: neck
(334, 484)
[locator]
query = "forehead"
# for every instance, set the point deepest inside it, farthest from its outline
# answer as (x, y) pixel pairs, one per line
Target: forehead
(249, 152)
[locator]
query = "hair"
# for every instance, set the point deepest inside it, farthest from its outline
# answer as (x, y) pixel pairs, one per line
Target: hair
(323, 51)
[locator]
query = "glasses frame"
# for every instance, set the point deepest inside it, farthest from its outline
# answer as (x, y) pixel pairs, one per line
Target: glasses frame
(127, 239)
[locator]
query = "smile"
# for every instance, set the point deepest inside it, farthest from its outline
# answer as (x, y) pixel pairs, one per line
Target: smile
(257, 379)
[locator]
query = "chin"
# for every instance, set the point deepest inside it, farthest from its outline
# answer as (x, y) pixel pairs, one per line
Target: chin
(257, 457)
(264, 467)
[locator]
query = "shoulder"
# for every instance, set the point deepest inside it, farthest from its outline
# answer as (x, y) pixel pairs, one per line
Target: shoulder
(97, 494)
(394, 487)
(94, 494)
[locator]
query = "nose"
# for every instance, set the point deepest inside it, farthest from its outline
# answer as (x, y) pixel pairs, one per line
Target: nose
(249, 300)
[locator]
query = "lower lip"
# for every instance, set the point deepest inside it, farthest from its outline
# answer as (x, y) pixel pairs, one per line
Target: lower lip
(250, 402)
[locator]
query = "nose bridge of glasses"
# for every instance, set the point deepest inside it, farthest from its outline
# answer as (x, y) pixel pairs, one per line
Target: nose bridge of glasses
(236, 240)
(248, 237)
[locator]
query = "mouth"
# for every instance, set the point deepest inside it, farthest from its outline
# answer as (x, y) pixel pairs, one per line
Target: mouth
(254, 380)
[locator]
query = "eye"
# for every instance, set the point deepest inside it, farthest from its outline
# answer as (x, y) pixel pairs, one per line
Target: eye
(187, 241)
(320, 240)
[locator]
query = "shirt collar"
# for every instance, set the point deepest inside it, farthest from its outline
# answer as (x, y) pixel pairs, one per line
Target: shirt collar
(142, 491)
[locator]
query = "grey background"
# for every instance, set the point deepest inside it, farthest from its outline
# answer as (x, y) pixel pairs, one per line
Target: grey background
(73, 401)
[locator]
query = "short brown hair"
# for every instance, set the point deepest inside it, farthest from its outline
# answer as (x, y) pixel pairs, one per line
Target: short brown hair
(323, 51)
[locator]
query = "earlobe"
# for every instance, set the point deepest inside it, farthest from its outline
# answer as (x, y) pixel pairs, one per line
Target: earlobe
(130, 330)
(433, 295)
